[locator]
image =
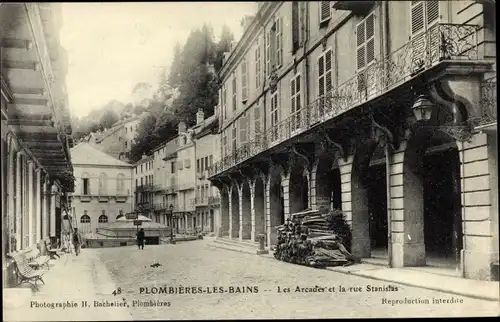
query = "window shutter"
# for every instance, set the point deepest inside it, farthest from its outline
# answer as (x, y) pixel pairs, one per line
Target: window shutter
(268, 53)
(328, 71)
(325, 11)
(417, 17)
(279, 41)
(360, 42)
(234, 92)
(257, 66)
(295, 26)
(370, 38)
(243, 129)
(244, 93)
(432, 11)
(292, 92)
(321, 76)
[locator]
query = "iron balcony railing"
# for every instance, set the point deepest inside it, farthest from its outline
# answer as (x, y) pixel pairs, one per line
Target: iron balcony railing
(144, 188)
(440, 42)
(488, 101)
(213, 200)
(201, 201)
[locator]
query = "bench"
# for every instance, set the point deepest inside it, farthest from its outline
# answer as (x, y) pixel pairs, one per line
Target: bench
(25, 273)
(36, 259)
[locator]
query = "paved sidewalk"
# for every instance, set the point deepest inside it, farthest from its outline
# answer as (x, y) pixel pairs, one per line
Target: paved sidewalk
(485, 290)
(70, 280)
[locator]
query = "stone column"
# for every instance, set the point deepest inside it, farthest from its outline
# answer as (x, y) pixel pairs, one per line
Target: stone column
(408, 242)
(345, 168)
(46, 210)
(267, 208)
(479, 184)
(312, 185)
(225, 216)
(285, 184)
(31, 210)
(252, 209)
(38, 207)
(19, 211)
(52, 214)
(245, 211)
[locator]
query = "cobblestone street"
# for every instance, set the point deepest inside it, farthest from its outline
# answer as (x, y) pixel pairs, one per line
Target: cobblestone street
(190, 264)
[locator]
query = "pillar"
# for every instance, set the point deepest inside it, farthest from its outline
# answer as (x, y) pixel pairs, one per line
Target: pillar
(285, 184)
(267, 209)
(38, 206)
(345, 168)
(46, 209)
(252, 210)
(407, 232)
(225, 212)
(19, 210)
(479, 184)
(31, 210)
(235, 211)
(52, 215)
(312, 185)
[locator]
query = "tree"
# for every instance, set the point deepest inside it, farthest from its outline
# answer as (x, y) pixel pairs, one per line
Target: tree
(109, 118)
(223, 46)
(174, 76)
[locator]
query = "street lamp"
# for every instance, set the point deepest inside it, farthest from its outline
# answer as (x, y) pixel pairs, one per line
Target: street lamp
(422, 108)
(171, 207)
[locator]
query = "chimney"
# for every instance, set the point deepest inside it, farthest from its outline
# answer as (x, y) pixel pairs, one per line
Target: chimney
(182, 127)
(200, 116)
(144, 156)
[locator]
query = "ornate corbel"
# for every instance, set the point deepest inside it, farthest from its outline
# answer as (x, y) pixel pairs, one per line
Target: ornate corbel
(340, 151)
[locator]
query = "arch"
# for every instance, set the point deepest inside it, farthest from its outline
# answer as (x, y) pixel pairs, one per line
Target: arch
(85, 219)
(103, 219)
(120, 183)
(432, 199)
(103, 182)
(299, 188)
(327, 184)
(224, 212)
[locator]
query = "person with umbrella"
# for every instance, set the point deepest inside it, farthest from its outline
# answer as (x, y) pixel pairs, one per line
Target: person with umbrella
(140, 238)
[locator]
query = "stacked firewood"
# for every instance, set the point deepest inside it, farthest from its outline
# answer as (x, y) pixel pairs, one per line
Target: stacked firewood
(314, 239)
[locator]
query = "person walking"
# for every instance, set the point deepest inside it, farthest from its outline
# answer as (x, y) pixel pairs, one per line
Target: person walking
(77, 241)
(140, 238)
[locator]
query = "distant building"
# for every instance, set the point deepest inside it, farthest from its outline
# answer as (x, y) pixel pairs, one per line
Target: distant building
(118, 140)
(103, 188)
(143, 177)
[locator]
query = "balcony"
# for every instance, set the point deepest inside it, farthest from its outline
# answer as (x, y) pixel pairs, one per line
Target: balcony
(144, 188)
(201, 175)
(201, 201)
(213, 201)
(441, 43)
(161, 206)
(158, 188)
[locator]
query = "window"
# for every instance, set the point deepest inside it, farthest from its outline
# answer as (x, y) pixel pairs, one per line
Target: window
(325, 12)
(211, 160)
(224, 102)
(125, 144)
(198, 165)
(172, 167)
(136, 182)
(125, 130)
(424, 15)
(131, 129)
(295, 105)
(274, 46)
(206, 163)
(142, 182)
(187, 163)
(257, 66)
(234, 91)
(274, 116)
(244, 81)
(243, 128)
(224, 143)
(102, 183)
(180, 165)
(233, 136)
(256, 117)
(120, 183)
(103, 219)
(365, 40)
(142, 169)
(86, 184)
(85, 219)
(324, 79)
(201, 167)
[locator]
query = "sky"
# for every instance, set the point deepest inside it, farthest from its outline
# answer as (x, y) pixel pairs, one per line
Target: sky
(114, 46)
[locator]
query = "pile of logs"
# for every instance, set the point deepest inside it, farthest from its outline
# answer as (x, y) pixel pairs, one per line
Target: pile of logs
(314, 239)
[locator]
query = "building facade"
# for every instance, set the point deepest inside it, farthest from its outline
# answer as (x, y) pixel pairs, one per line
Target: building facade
(117, 141)
(207, 198)
(385, 110)
(143, 177)
(103, 188)
(37, 172)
